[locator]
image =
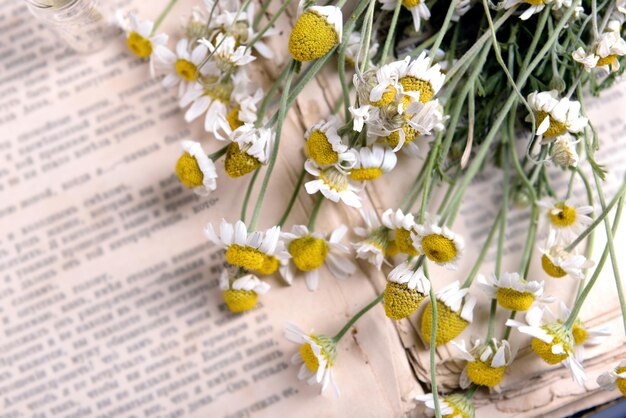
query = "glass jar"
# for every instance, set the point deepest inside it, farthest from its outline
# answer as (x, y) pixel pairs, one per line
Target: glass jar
(83, 24)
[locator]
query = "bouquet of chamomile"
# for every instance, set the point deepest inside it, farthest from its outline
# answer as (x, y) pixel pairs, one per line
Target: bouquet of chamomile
(455, 85)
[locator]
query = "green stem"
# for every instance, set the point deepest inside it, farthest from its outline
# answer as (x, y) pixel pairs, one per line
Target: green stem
(246, 199)
(315, 212)
(217, 154)
(392, 28)
(443, 29)
(270, 23)
(356, 317)
(605, 254)
(483, 252)
(268, 96)
(260, 14)
(433, 344)
(366, 40)
(293, 198)
(600, 218)
(282, 112)
(163, 15)
(507, 331)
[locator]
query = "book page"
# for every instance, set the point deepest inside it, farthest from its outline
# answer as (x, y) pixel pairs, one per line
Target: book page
(109, 297)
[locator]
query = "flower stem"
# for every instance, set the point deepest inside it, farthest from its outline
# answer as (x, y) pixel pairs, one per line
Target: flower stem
(443, 29)
(605, 254)
(433, 345)
(483, 252)
(270, 23)
(282, 112)
(293, 198)
(356, 317)
(217, 154)
(601, 217)
(507, 331)
(315, 212)
(246, 199)
(392, 28)
(366, 40)
(163, 15)
(268, 96)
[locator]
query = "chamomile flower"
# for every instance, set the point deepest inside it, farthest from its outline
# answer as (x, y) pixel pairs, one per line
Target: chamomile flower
(455, 311)
(400, 131)
(324, 146)
(309, 251)
(534, 6)
(211, 98)
(250, 147)
(196, 170)
(406, 289)
(439, 244)
(139, 37)
(241, 294)
(555, 116)
(584, 336)
(418, 8)
(513, 292)
(182, 67)
(552, 341)
(456, 405)
(316, 355)
(259, 251)
(605, 54)
(486, 362)
(402, 226)
(376, 243)
(372, 162)
(421, 75)
(317, 31)
(332, 183)
(614, 379)
(244, 110)
(558, 263)
(378, 87)
(567, 220)
(563, 151)
(226, 54)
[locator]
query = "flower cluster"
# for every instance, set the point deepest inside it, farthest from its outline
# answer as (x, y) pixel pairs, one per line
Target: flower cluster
(431, 101)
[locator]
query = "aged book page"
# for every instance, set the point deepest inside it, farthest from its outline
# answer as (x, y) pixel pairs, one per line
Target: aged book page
(108, 289)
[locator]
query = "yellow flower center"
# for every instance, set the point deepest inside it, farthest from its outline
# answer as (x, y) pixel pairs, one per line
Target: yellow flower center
(188, 171)
(233, 118)
(461, 406)
(393, 139)
(439, 248)
(621, 383)
(544, 350)
(410, 3)
(405, 242)
(240, 300)
(580, 333)
(556, 128)
(309, 357)
(483, 374)
(186, 69)
(308, 253)
(562, 216)
(246, 257)
(392, 248)
(410, 83)
(387, 98)
(312, 37)
(449, 323)
(270, 265)
(535, 2)
(239, 163)
(320, 149)
(400, 301)
(334, 179)
(609, 60)
(139, 45)
(365, 174)
(550, 268)
(514, 300)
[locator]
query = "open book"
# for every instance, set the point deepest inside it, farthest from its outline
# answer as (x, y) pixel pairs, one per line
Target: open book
(109, 296)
